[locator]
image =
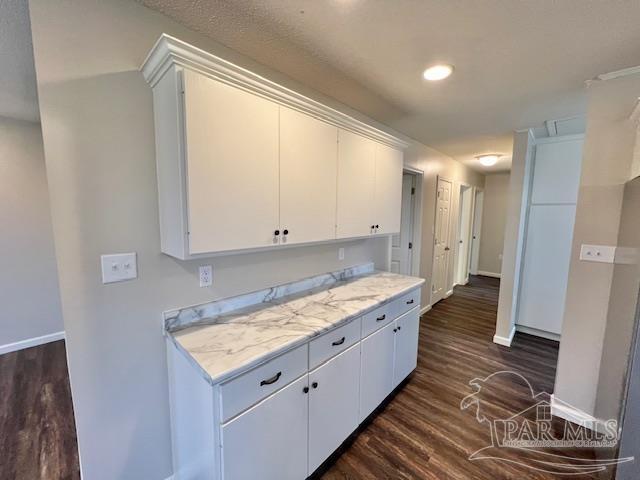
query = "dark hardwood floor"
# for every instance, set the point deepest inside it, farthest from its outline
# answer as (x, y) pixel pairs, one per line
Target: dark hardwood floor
(422, 433)
(37, 429)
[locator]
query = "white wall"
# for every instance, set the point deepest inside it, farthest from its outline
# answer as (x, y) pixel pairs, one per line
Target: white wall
(97, 119)
(494, 217)
(28, 277)
(607, 157)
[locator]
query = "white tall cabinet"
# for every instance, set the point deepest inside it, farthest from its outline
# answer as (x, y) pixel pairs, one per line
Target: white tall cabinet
(245, 164)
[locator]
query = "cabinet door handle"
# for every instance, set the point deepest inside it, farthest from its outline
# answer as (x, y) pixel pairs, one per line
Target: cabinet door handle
(395, 330)
(285, 232)
(377, 227)
(271, 380)
(399, 328)
(276, 233)
(409, 302)
(338, 342)
(379, 319)
(314, 384)
(305, 390)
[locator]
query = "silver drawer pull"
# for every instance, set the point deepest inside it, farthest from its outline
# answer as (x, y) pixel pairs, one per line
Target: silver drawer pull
(409, 302)
(271, 380)
(379, 319)
(338, 342)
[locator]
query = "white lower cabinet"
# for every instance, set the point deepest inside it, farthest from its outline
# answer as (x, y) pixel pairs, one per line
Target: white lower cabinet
(269, 441)
(333, 404)
(376, 373)
(406, 351)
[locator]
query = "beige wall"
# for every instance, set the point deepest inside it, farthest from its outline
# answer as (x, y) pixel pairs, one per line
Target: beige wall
(494, 217)
(28, 277)
(434, 164)
(608, 153)
(97, 119)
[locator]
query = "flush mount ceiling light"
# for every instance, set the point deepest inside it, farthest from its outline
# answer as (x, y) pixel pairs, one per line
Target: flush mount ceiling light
(488, 160)
(438, 72)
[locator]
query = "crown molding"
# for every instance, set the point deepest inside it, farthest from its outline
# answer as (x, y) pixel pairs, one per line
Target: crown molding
(169, 51)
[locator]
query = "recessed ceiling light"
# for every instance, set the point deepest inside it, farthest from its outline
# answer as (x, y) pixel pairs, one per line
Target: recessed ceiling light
(438, 72)
(488, 160)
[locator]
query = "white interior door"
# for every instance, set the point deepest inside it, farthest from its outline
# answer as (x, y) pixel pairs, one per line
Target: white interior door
(548, 241)
(477, 231)
(308, 169)
(388, 189)
(441, 248)
(356, 178)
(464, 235)
(402, 243)
(232, 163)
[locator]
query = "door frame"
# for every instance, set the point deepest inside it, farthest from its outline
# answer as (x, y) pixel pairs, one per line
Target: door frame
(447, 293)
(475, 259)
(458, 237)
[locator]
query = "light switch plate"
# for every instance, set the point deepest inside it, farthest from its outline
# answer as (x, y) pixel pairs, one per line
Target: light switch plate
(598, 253)
(119, 267)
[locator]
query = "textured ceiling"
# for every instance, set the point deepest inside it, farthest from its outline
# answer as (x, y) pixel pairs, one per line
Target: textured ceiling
(18, 96)
(518, 62)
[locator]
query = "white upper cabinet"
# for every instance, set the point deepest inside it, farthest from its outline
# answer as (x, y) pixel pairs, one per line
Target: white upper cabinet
(232, 166)
(308, 166)
(244, 163)
(356, 185)
(388, 189)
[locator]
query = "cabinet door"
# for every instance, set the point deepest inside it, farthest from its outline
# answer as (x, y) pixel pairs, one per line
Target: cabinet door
(388, 189)
(269, 441)
(407, 328)
(232, 166)
(308, 169)
(333, 404)
(376, 371)
(356, 178)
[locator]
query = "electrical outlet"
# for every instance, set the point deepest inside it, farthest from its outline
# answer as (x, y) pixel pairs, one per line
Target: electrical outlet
(598, 253)
(341, 253)
(206, 275)
(118, 267)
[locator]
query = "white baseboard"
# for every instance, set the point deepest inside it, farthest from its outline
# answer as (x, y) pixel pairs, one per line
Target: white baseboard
(448, 294)
(424, 310)
(505, 341)
(488, 274)
(575, 415)
(538, 333)
(31, 342)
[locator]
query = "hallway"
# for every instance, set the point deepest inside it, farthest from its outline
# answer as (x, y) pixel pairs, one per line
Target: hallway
(423, 433)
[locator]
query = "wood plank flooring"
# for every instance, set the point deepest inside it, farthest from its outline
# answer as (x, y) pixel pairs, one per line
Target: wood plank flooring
(422, 433)
(37, 429)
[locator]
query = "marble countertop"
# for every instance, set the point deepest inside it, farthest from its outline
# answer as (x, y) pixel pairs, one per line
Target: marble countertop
(231, 343)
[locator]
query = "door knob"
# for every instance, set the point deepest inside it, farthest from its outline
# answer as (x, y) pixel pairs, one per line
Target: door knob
(446, 249)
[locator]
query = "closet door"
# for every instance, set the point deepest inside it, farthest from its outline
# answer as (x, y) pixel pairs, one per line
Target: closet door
(308, 169)
(388, 189)
(232, 166)
(356, 178)
(549, 237)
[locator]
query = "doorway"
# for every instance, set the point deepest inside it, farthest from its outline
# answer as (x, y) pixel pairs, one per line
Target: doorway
(441, 237)
(403, 245)
(476, 231)
(463, 245)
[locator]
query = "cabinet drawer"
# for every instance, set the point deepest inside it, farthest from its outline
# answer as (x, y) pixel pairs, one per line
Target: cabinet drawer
(377, 318)
(407, 302)
(242, 392)
(333, 342)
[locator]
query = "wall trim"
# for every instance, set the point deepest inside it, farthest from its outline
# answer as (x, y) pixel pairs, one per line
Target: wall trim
(448, 294)
(488, 274)
(31, 342)
(538, 333)
(572, 414)
(169, 51)
(425, 309)
(505, 341)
